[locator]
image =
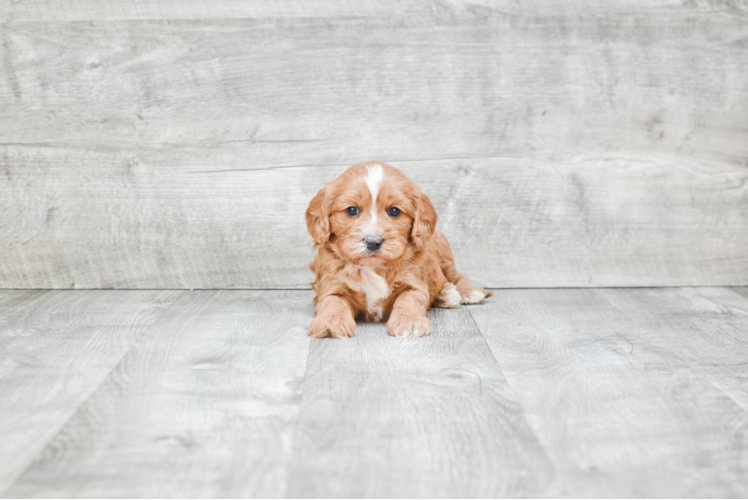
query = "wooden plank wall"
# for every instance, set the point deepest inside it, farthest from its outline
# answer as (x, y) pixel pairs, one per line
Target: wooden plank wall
(169, 144)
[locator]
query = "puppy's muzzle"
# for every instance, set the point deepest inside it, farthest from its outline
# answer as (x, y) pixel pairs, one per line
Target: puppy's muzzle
(373, 242)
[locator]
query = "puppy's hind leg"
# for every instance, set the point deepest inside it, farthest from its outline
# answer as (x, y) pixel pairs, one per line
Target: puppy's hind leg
(469, 293)
(449, 297)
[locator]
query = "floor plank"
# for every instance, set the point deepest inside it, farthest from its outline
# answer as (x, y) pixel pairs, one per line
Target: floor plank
(56, 348)
(596, 392)
(613, 382)
(203, 406)
(740, 290)
(431, 417)
(707, 327)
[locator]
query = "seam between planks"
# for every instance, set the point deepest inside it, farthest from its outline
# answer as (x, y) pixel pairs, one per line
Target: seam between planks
(732, 290)
(696, 372)
(84, 400)
(524, 413)
(485, 341)
(508, 381)
(296, 430)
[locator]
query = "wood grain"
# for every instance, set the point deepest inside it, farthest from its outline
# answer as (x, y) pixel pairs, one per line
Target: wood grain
(708, 325)
(597, 145)
(596, 392)
(56, 349)
(342, 90)
(203, 406)
(433, 417)
(87, 10)
(626, 389)
(587, 220)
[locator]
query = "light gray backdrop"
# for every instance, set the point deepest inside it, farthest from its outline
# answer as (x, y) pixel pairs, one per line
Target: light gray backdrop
(171, 144)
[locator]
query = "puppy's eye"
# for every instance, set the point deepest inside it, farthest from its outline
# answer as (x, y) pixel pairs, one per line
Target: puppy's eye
(393, 212)
(352, 210)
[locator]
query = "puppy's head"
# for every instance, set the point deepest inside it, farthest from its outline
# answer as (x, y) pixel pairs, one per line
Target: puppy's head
(371, 215)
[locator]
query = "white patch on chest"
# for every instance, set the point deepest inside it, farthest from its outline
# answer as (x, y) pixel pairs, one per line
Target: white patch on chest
(364, 279)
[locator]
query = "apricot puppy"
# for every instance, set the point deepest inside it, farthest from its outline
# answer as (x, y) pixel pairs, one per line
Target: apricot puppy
(379, 255)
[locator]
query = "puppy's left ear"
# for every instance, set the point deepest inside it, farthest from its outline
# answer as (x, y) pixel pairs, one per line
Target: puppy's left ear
(424, 223)
(318, 217)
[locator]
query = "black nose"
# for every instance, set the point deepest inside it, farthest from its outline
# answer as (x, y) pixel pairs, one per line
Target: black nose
(373, 242)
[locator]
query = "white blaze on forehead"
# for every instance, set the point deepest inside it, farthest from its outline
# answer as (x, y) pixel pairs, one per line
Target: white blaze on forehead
(373, 179)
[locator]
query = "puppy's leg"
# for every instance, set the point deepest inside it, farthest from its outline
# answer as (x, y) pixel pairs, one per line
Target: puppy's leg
(449, 297)
(408, 318)
(470, 293)
(334, 318)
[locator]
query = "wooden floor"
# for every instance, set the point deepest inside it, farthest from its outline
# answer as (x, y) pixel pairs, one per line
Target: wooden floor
(538, 392)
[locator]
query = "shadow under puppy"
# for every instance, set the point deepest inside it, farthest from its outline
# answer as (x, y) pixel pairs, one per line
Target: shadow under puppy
(379, 255)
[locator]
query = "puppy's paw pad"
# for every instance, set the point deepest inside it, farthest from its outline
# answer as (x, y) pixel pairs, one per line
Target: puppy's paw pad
(449, 297)
(409, 326)
(334, 326)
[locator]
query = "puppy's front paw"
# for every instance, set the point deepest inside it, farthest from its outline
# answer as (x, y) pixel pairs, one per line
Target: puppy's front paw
(407, 325)
(337, 326)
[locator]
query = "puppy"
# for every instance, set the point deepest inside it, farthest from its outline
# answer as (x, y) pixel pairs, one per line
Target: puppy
(379, 255)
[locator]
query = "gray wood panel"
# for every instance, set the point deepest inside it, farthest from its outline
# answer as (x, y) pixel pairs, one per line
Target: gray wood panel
(432, 417)
(203, 406)
(56, 347)
(588, 136)
(343, 90)
(87, 10)
(92, 10)
(623, 387)
(586, 220)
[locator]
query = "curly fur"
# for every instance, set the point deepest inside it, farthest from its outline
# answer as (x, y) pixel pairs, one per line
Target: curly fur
(412, 271)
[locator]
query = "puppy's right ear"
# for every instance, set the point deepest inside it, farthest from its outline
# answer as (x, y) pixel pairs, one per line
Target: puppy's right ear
(318, 217)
